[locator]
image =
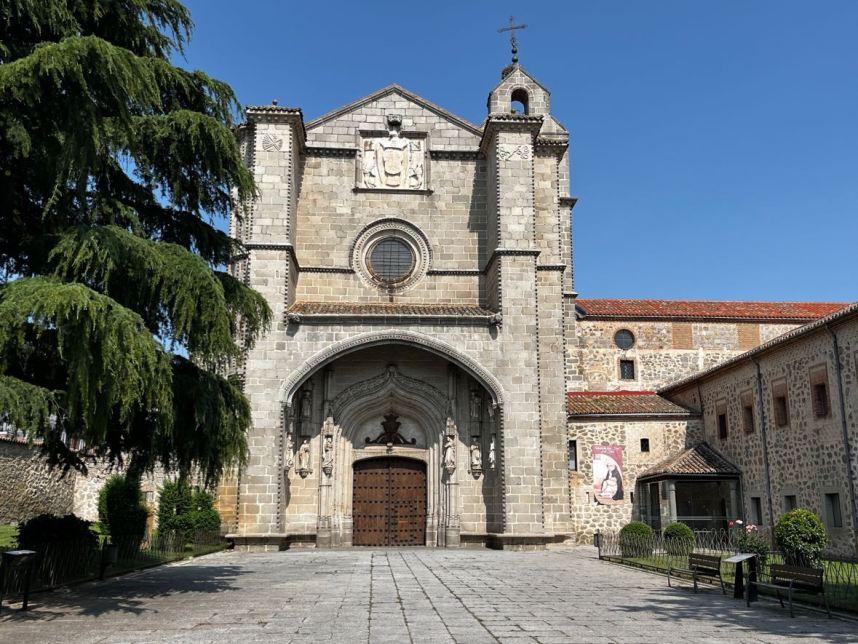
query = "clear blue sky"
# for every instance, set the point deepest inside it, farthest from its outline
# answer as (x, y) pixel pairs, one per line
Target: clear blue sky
(714, 144)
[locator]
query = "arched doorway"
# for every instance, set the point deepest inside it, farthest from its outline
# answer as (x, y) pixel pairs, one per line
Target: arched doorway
(389, 502)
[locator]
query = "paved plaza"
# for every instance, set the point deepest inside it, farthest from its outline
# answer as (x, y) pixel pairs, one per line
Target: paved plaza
(407, 595)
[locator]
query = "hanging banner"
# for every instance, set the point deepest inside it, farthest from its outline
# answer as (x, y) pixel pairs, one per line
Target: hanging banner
(608, 474)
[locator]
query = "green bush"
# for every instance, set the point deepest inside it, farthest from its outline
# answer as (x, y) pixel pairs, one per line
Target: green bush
(801, 537)
(678, 539)
(636, 540)
(121, 508)
(47, 528)
(184, 511)
(749, 540)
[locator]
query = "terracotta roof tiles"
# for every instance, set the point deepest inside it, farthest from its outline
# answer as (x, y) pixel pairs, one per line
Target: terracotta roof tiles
(620, 403)
(705, 310)
(700, 460)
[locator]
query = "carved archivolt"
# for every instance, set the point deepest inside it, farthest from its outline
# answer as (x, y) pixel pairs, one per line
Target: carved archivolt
(405, 232)
(382, 385)
(373, 338)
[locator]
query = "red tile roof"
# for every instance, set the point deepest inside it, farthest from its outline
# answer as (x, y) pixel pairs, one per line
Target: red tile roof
(705, 310)
(700, 460)
(620, 403)
(354, 308)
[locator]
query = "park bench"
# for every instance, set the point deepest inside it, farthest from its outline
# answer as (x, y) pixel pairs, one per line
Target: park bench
(793, 579)
(700, 566)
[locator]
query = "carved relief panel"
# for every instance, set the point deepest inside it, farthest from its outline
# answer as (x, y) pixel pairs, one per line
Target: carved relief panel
(392, 160)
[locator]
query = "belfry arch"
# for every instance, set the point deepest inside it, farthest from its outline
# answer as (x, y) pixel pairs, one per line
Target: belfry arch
(395, 401)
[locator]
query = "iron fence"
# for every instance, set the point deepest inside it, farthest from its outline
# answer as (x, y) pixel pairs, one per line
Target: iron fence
(840, 574)
(58, 563)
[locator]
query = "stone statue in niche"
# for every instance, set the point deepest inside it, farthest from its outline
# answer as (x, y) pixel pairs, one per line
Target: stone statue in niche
(328, 455)
(392, 162)
(306, 402)
(450, 446)
(304, 459)
(289, 449)
(476, 405)
(476, 457)
(492, 453)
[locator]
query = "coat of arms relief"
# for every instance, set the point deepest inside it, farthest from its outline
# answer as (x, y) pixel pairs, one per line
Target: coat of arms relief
(391, 161)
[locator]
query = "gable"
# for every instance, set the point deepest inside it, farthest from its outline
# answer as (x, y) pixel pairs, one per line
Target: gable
(339, 128)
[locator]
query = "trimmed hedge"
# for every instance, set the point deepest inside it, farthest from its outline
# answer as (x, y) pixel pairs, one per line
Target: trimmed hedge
(47, 528)
(186, 511)
(121, 508)
(636, 540)
(802, 538)
(678, 539)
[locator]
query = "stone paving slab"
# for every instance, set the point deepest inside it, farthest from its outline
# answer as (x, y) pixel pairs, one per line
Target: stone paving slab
(407, 595)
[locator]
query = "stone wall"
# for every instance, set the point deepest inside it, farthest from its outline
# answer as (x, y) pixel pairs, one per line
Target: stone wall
(666, 437)
(664, 351)
(28, 487)
(805, 458)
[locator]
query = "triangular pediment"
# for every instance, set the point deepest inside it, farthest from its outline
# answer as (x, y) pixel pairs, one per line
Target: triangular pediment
(340, 126)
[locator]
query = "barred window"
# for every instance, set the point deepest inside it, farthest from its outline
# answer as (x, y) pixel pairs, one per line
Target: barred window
(627, 369)
(391, 260)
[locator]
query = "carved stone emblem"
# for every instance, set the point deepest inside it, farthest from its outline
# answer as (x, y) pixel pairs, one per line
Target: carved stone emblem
(507, 151)
(392, 161)
(271, 143)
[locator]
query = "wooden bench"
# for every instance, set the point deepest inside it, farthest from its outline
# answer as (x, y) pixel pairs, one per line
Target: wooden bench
(701, 566)
(793, 579)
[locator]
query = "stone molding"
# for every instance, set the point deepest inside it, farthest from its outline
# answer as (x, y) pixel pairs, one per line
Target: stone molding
(391, 227)
(551, 267)
(495, 319)
(320, 151)
(373, 338)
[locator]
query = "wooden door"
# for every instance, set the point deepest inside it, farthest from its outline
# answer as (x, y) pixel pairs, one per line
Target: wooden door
(389, 502)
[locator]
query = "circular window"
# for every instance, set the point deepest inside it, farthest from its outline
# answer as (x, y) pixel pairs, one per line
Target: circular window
(391, 260)
(624, 339)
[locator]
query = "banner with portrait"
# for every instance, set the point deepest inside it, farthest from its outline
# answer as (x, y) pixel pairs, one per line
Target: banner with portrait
(608, 485)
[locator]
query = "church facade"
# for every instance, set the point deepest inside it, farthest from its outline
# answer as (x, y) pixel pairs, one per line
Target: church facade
(431, 377)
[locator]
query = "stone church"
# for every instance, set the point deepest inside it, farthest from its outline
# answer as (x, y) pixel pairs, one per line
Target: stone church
(432, 377)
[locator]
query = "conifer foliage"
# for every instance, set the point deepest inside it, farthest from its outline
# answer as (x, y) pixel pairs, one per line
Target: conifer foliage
(113, 164)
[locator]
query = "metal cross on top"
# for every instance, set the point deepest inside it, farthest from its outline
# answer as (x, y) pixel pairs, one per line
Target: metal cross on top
(513, 41)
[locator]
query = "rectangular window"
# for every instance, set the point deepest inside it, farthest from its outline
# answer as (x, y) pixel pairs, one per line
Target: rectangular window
(722, 425)
(627, 369)
(832, 511)
(820, 400)
(756, 510)
(748, 418)
(790, 502)
(780, 404)
(644, 444)
(573, 456)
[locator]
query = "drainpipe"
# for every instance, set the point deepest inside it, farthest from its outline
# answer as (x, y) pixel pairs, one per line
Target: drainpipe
(838, 368)
(763, 432)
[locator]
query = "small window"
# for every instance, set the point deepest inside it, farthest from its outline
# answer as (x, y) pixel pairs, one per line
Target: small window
(821, 407)
(790, 502)
(832, 511)
(756, 510)
(748, 418)
(780, 404)
(519, 102)
(722, 425)
(644, 444)
(627, 369)
(573, 456)
(624, 339)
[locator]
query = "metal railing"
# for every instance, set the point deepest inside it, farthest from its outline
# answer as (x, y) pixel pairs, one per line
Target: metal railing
(59, 563)
(840, 575)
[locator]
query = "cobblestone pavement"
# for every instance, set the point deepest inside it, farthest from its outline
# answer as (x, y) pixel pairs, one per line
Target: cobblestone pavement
(413, 595)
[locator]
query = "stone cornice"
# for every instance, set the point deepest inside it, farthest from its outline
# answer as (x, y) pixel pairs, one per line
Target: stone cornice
(551, 267)
(326, 269)
(289, 248)
(455, 155)
(508, 123)
(339, 319)
(279, 114)
(320, 151)
(568, 202)
(510, 252)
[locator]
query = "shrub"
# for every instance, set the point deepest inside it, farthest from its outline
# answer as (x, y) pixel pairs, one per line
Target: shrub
(801, 537)
(636, 540)
(749, 540)
(121, 509)
(47, 528)
(186, 512)
(678, 539)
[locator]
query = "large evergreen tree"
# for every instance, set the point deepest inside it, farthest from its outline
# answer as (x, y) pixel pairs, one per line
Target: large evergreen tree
(113, 165)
